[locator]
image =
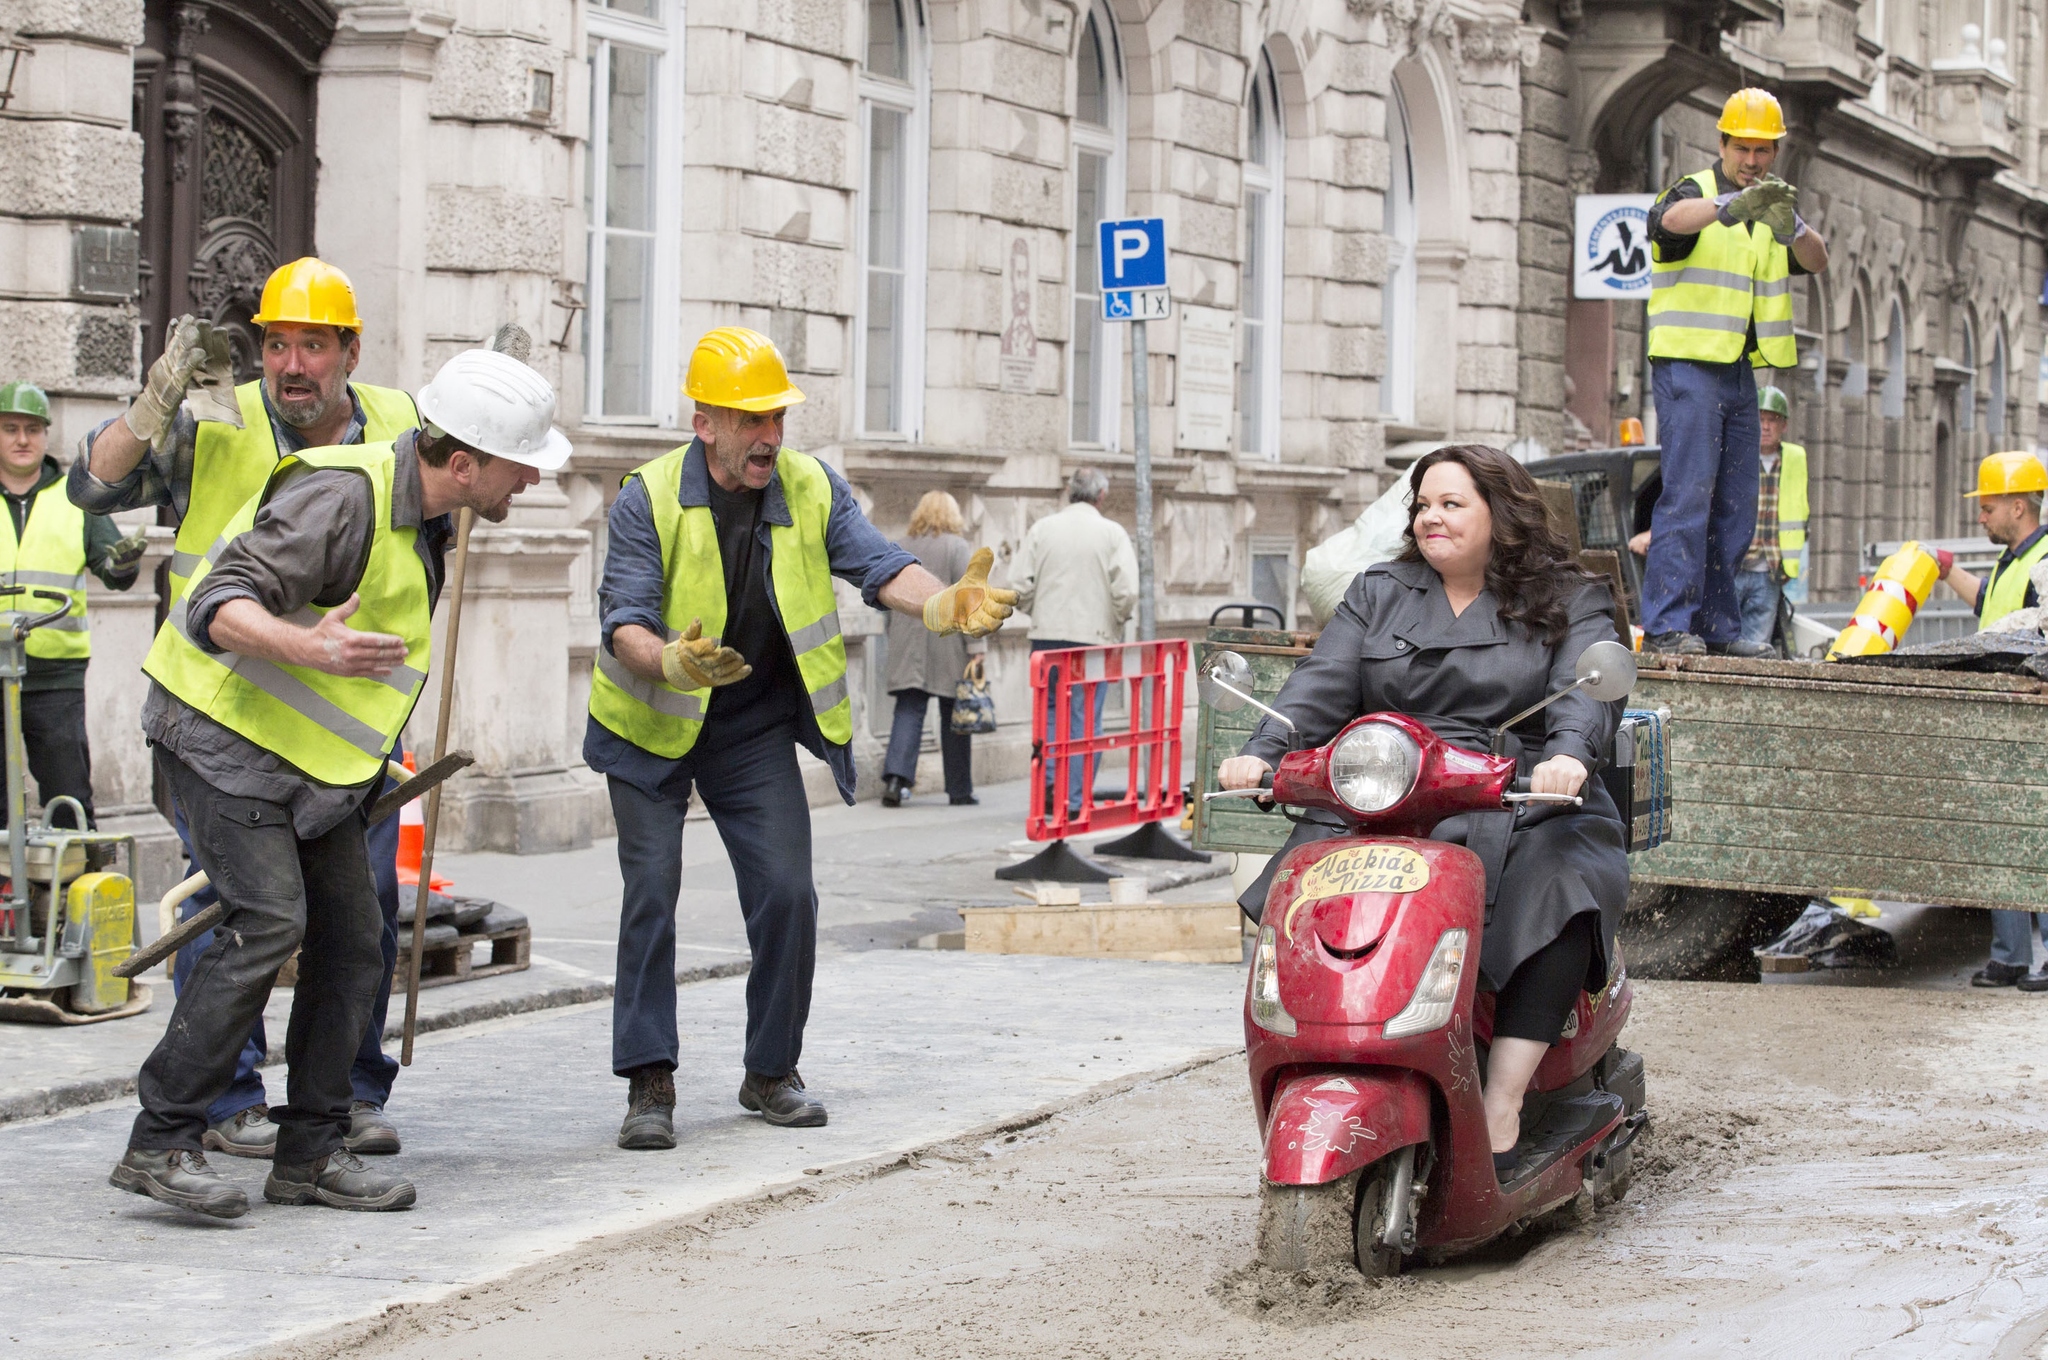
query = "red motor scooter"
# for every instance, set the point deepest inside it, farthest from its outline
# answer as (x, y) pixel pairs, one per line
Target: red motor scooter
(1365, 1033)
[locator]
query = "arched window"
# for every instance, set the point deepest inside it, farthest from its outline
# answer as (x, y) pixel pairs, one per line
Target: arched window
(1397, 298)
(1994, 407)
(1966, 391)
(1892, 396)
(894, 103)
(1098, 195)
(1258, 378)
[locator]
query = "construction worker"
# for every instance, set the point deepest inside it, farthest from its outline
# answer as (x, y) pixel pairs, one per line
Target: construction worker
(721, 655)
(1771, 569)
(160, 454)
(49, 545)
(1725, 243)
(273, 735)
(2008, 495)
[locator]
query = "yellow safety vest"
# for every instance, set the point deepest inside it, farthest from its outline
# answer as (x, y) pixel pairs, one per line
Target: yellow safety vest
(50, 555)
(230, 465)
(2007, 588)
(1701, 307)
(334, 728)
(664, 720)
(1792, 509)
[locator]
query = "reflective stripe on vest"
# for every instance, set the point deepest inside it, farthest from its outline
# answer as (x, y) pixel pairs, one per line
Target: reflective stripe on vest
(2007, 588)
(335, 729)
(1703, 306)
(1792, 509)
(49, 555)
(666, 721)
(229, 466)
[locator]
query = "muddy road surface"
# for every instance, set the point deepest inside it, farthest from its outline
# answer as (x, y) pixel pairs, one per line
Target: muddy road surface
(1832, 1172)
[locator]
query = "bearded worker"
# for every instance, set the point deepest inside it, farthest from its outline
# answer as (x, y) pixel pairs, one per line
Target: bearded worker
(721, 655)
(159, 454)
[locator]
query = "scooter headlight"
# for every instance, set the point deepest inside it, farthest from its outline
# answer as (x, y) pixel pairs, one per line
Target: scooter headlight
(1430, 1007)
(1373, 766)
(1267, 1012)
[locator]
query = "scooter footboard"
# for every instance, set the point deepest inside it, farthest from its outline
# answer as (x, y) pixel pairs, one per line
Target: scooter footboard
(1328, 1124)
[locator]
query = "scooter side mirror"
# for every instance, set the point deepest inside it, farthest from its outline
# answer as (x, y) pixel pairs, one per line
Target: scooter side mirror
(1606, 671)
(1222, 679)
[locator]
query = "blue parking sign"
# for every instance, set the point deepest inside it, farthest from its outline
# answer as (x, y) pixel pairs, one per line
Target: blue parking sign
(1132, 253)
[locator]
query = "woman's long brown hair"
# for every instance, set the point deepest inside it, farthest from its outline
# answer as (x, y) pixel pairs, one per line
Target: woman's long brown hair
(1531, 570)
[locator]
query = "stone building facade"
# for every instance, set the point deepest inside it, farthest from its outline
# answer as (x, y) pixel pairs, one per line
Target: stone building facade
(1367, 202)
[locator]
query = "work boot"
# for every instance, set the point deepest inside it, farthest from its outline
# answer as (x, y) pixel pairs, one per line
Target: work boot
(179, 1176)
(340, 1180)
(2034, 982)
(1675, 644)
(370, 1131)
(782, 1101)
(247, 1134)
(892, 791)
(1996, 974)
(1742, 647)
(964, 800)
(650, 1110)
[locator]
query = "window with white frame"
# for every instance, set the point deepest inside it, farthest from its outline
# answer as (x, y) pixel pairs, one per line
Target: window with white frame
(1892, 396)
(1966, 391)
(1397, 298)
(633, 206)
(894, 107)
(1994, 406)
(1098, 195)
(1258, 374)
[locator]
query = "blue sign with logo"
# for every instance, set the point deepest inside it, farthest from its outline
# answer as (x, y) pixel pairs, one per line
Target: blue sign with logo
(1612, 245)
(1131, 253)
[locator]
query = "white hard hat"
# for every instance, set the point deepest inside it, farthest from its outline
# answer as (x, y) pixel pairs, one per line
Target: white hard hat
(496, 404)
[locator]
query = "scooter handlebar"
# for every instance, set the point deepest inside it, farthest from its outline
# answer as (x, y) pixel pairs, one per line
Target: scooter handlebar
(1521, 794)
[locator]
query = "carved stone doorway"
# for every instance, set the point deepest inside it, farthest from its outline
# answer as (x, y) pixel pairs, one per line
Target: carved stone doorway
(225, 98)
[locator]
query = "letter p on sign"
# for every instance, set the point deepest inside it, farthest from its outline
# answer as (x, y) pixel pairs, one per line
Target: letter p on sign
(1132, 253)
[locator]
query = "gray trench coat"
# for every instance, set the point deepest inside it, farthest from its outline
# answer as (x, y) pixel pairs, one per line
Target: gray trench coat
(1395, 646)
(919, 658)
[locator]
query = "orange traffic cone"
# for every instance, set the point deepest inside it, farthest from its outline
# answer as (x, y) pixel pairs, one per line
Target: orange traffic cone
(412, 839)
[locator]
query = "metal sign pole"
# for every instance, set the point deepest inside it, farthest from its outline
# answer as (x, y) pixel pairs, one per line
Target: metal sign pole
(1141, 429)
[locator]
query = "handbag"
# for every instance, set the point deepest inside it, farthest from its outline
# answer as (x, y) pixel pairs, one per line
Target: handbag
(974, 708)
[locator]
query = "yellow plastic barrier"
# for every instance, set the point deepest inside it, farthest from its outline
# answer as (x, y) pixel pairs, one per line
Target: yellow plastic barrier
(1902, 584)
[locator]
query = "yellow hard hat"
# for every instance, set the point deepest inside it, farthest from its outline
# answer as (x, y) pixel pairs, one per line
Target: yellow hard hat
(2010, 474)
(312, 292)
(1752, 113)
(735, 367)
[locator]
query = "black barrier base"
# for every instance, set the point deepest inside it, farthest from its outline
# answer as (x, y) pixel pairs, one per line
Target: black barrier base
(1057, 863)
(1152, 841)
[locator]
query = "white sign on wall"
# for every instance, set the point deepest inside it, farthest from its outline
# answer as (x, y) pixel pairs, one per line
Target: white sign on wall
(1205, 380)
(1611, 246)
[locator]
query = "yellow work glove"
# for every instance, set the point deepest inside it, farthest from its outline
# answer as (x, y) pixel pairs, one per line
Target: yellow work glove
(163, 390)
(971, 605)
(128, 551)
(694, 661)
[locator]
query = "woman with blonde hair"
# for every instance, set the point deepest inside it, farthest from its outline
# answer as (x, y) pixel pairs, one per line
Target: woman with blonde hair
(924, 666)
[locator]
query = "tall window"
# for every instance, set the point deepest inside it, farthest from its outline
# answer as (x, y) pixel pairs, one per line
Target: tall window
(1994, 407)
(1258, 377)
(631, 196)
(1098, 195)
(893, 108)
(1397, 299)
(1966, 391)
(1892, 396)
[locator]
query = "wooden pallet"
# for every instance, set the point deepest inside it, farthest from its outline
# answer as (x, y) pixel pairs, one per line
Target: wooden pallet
(1178, 932)
(511, 952)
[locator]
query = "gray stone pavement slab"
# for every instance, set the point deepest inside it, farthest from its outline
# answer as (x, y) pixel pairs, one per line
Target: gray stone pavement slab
(510, 1127)
(885, 877)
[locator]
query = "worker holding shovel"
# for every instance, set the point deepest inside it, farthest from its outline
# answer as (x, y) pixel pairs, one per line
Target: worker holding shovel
(282, 677)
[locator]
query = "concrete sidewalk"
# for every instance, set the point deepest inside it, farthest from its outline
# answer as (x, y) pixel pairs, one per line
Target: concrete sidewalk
(885, 877)
(510, 1129)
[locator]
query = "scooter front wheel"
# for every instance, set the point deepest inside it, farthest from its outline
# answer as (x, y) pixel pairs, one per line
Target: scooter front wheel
(1314, 1227)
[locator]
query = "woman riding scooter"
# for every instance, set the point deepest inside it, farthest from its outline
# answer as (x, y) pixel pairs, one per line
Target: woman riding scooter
(1481, 616)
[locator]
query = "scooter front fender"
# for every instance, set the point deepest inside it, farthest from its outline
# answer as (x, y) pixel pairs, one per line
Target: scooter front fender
(1325, 1125)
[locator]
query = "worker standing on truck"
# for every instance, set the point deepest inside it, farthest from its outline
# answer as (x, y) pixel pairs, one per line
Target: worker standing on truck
(2008, 495)
(159, 454)
(1777, 550)
(50, 544)
(1725, 243)
(281, 680)
(720, 653)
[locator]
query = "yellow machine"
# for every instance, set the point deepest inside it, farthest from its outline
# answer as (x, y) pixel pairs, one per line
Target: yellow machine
(65, 922)
(1902, 584)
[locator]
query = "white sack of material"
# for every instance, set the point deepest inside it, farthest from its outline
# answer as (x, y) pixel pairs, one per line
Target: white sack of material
(1375, 536)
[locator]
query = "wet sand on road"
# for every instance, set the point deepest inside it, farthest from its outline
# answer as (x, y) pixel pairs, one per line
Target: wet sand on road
(1831, 1172)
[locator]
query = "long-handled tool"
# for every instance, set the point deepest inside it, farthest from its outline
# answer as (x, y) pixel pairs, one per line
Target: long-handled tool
(175, 934)
(424, 893)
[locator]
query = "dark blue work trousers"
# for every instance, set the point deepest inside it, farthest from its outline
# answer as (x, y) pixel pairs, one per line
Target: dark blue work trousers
(374, 1071)
(755, 794)
(1707, 426)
